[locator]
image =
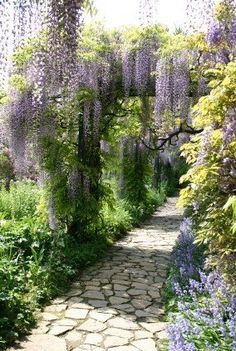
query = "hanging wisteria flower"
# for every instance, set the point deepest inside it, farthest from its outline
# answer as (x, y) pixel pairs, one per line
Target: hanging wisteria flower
(232, 33)
(215, 33)
(181, 85)
(142, 68)
(172, 87)
(20, 108)
(74, 181)
(127, 71)
(228, 168)
(147, 12)
(205, 146)
(97, 118)
(229, 130)
(163, 90)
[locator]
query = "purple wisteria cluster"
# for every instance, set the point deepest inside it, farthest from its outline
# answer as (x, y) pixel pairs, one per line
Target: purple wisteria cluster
(205, 146)
(19, 116)
(4, 43)
(20, 21)
(138, 66)
(206, 305)
(163, 90)
(229, 130)
(142, 68)
(16, 136)
(47, 74)
(228, 169)
(63, 23)
(127, 70)
(215, 33)
(172, 87)
(181, 85)
(222, 32)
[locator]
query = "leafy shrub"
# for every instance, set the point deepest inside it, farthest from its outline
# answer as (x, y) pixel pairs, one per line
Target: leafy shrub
(169, 174)
(20, 201)
(16, 315)
(32, 263)
(116, 219)
(33, 268)
(153, 199)
(156, 197)
(6, 169)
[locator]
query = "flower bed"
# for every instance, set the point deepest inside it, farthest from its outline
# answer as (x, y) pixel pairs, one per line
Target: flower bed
(202, 307)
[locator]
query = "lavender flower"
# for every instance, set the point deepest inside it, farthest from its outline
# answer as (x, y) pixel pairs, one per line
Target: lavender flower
(185, 257)
(206, 306)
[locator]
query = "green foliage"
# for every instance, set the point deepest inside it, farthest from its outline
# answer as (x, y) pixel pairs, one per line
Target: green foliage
(6, 169)
(16, 316)
(212, 108)
(116, 219)
(173, 43)
(136, 173)
(89, 6)
(23, 55)
(18, 82)
(153, 199)
(20, 201)
(206, 185)
(4, 99)
(169, 174)
(231, 203)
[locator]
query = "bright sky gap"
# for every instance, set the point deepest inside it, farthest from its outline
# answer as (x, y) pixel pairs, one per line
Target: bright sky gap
(171, 13)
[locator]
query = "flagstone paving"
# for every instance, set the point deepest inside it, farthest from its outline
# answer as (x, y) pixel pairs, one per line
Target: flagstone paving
(116, 304)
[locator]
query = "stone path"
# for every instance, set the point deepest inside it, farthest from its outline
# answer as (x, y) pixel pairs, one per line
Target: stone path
(116, 304)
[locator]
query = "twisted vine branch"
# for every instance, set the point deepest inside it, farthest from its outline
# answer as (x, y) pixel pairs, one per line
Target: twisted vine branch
(184, 128)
